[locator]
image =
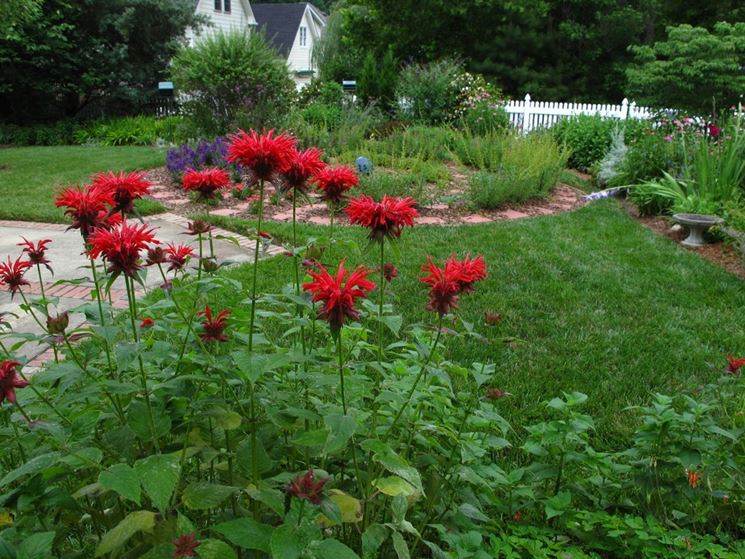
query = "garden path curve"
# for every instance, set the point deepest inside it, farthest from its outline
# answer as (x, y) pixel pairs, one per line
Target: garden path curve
(69, 263)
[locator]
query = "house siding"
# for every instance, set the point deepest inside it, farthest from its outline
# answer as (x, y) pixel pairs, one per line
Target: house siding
(300, 57)
(237, 19)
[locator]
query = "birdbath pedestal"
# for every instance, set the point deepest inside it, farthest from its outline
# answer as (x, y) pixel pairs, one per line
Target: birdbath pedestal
(697, 225)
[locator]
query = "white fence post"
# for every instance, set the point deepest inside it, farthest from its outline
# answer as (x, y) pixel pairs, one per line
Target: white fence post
(526, 114)
(625, 108)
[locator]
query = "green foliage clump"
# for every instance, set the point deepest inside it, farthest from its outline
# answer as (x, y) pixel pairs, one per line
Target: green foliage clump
(323, 92)
(426, 142)
(86, 59)
(379, 183)
(647, 157)
(377, 82)
(528, 167)
(233, 80)
(335, 55)
(480, 151)
(126, 131)
(428, 93)
(588, 137)
(694, 69)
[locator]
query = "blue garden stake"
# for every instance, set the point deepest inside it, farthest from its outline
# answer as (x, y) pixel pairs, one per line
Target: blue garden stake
(364, 166)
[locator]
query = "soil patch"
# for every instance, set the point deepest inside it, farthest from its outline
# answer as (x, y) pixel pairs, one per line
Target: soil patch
(166, 191)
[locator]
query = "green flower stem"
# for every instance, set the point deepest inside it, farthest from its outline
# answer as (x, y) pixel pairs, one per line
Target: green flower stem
(45, 399)
(23, 413)
(31, 311)
(340, 355)
(18, 438)
(418, 378)
(100, 313)
(212, 244)
(332, 211)
(129, 282)
(114, 401)
(41, 288)
(4, 349)
(380, 303)
(254, 453)
(199, 268)
(256, 267)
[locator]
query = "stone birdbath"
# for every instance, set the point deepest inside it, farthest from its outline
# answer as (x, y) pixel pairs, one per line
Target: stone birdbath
(697, 225)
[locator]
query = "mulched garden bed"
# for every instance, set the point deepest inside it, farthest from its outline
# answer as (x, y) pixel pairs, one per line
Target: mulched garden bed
(169, 193)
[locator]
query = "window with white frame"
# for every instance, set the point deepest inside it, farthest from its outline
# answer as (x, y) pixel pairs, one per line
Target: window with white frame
(303, 36)
(222, 6)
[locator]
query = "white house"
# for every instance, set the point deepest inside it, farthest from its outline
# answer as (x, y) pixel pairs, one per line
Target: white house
(225, 15)
(293, 29)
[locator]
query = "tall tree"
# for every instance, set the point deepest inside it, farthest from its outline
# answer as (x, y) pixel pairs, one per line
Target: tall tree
(75, 54)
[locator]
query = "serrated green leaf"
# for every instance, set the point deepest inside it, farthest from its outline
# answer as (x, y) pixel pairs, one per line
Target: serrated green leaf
(134, 522)
(386, 457)
(33, 466)
(36, 546)
(246, 533)
(203, 495)
(334, 548)
(158, 475)
(400, 547)
(393, 486)
(215, 549)
(341, 428)
(122, 479)
(284, 543)
(225, 418)
(372, 539)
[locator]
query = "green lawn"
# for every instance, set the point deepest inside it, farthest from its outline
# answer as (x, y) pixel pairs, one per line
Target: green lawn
(599, 303)
(30, 176)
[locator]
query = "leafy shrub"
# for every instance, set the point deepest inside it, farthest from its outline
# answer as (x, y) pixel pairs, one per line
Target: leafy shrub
(427, 93)
(428, 143)
(480, 151)
(529, 167)
(323, 92)
(331, 131)
(588, 138)
(136, 130)
(646, 158)
(232, 80)
(377, 81)
(480, 108)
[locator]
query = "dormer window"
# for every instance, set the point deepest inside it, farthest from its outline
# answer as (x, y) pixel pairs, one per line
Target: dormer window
(303, 36)
(222, 6)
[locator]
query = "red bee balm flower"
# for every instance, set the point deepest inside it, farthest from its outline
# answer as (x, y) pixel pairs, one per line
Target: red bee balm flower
(125, 188)
(11, 274)
(205, 183)
(305, 487)
(385, 218)
(734, 365)
(301, 167)
(36, 253)
(334, 182)
(87, 207)
(214, 326)
(185, 545)
(121, 246)
(9, 381)
(448, 282)
(147, 323)
(389, 272)
(178, 256)
(265, 154)
(338, 300)
(694, 478)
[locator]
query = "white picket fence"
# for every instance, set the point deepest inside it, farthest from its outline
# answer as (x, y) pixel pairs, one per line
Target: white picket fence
(530, 115)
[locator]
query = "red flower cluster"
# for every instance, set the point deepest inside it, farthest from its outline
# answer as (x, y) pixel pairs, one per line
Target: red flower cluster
(304, 486)
(301, 167)
(121, 246)
(198, 227)
(147, 323)
(177, 256)
(205, 183)
(390, 272)
(734, 365)
(213, 327)
(338, 296)
(334, 183)
(694, 478)
(124, 188)
(264, 154)
(88, 207)
(385, 218)
(9, 381)
(447, 283)
(36, 253)
(186, 545)
(11, 274)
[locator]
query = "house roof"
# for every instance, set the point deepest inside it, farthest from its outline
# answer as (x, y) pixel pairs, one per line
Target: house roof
(280, 22)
